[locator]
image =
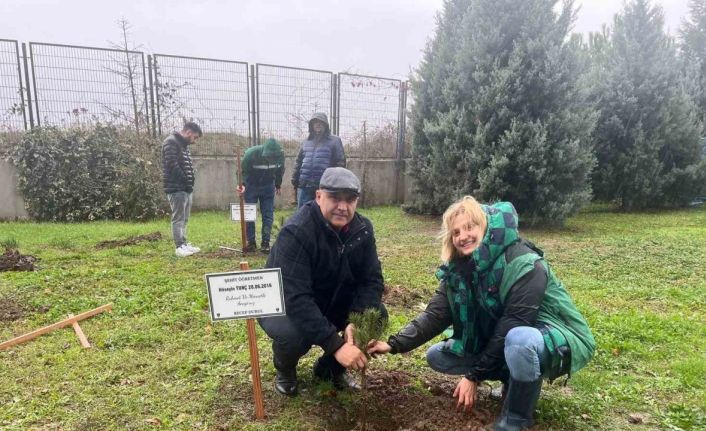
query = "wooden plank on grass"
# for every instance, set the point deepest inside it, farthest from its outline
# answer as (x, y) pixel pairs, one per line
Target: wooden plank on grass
(61, 324)
(81, 336)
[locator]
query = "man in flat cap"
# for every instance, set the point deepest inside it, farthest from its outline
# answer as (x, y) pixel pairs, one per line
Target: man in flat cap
(330, 268)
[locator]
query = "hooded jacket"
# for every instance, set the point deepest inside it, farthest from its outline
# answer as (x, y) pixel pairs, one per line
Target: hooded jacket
(505, 283)
(264, 164)
(316, 154)
(326, 274)
(177, 168)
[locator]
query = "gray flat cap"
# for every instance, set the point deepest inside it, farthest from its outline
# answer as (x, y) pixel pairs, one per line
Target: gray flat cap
(339, 180)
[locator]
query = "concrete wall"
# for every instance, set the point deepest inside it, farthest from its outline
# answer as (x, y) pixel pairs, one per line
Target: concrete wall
(216, 180)
(12, 206)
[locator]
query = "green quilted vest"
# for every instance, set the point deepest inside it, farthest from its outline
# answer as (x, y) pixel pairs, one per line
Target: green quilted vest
(472, 308)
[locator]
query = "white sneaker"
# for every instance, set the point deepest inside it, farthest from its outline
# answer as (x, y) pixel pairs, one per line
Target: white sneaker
(192, 247)
(183, 251)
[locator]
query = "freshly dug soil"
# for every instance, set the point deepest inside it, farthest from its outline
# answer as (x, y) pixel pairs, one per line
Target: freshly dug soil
(10, 309)
(154, 236)
(12, 260)
(394, 403)
(401, 296)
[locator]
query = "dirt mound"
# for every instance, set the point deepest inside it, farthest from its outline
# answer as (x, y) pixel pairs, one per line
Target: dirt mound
(12, 260)
(401, 296)
(395, 403)
(10, 309)
(154, 236)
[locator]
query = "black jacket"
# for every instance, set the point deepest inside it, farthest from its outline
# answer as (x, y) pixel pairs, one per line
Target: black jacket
(520, 309)
(177, 168)
(326, 275)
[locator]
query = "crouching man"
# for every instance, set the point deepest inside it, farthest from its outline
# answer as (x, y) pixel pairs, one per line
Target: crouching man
(330, 268)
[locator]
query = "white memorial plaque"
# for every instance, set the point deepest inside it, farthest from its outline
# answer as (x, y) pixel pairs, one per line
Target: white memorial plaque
(250, 212)
(245, 294)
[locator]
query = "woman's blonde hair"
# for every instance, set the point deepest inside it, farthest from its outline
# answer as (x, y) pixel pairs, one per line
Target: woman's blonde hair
(466, 205)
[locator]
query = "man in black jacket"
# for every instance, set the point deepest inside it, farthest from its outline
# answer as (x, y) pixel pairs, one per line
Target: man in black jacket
(330, 268)
(178, 175)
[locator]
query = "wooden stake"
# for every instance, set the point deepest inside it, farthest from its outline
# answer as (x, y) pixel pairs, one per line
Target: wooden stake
(81, 336)
(66, 322)
(243, 236)
(254, 362)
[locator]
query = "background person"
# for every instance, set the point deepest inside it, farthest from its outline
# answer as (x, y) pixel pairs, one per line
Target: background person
(330, 268)
(178, 176)
(263, 167)
(319, 151)
(512, 318)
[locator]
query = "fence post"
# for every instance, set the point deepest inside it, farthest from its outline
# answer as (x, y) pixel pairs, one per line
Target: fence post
(401, 131)
(254, 113)
(334, 103)
(146, 100)
(27, 87)
(155, 67)
(151, 109)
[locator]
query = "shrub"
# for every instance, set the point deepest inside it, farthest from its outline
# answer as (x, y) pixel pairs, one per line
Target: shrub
(89, 173)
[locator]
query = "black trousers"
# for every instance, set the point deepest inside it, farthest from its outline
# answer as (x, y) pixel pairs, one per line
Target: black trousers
(289, 344)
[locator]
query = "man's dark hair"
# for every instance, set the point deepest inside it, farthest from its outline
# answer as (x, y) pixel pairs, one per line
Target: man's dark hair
(190, 125)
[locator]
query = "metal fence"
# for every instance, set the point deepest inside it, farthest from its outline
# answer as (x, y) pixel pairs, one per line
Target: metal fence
(214, 93)
(12, 112)
(236, 104)
(369, 115)
(75, 85)
(286, 99)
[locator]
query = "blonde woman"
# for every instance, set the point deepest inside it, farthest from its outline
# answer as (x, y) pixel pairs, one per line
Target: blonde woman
(512, 318)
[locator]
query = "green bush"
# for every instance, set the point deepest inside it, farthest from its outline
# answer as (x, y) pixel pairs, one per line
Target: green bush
(89, 173)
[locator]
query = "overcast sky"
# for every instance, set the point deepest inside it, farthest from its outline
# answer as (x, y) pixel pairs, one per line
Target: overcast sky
(376, 37)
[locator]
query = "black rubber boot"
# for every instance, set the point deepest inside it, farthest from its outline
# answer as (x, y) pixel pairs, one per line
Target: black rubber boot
(286, 382)
(519, 405)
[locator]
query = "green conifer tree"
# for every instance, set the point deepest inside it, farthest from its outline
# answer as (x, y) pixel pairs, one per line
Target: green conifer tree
(647, 136)
(512, 121)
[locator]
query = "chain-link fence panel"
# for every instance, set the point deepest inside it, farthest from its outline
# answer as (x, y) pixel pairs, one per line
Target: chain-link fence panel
(12, 112)
(75, 85)
(369, 115)
(213, 93)
(287, 97)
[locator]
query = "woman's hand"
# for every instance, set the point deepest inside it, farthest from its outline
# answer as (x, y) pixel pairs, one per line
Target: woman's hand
(376, 347)
(466, 393)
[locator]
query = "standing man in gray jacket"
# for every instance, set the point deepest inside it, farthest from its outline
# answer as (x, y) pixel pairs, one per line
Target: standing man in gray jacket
(319, 151)
(178, 175)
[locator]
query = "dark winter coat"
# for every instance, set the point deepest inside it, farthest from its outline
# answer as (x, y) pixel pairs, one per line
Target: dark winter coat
(177, 168)
(326, 275)
(316, 154)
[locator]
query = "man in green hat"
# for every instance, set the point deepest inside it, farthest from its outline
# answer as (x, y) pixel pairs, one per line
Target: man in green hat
(263, 167)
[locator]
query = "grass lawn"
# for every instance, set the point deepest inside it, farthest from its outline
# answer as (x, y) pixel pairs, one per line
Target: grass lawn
(158, 362)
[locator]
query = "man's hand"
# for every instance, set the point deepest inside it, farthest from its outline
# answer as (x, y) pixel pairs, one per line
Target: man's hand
(377, 347)
(351, 357)
(349, 333)
(466, 393)
(278, 191)
(240, 189)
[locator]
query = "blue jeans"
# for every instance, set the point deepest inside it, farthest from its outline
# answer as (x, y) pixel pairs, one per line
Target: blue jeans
(266, 195)
(305, 194)
(525, 355)
(180, 203)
